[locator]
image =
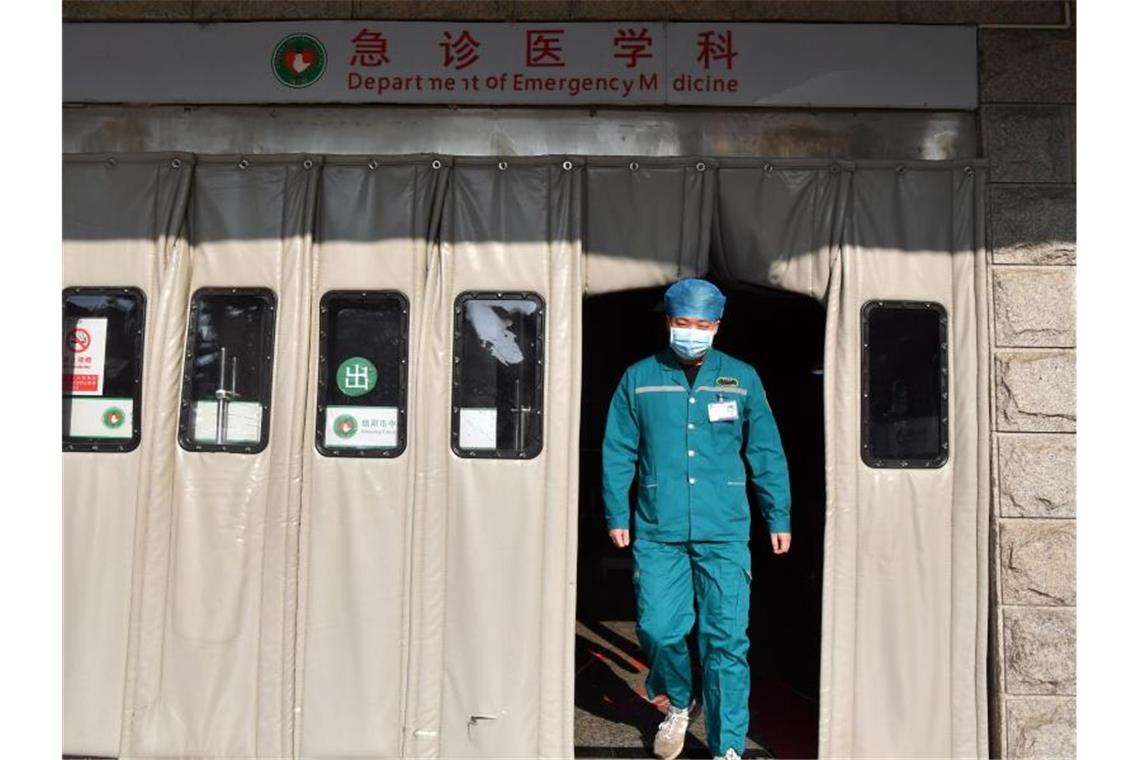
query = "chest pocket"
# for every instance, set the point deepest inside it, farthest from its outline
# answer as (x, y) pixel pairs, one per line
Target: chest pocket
(728, 429)
(661, 403)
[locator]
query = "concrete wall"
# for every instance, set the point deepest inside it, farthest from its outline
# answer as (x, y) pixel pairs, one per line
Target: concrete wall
(1028, 120)
(1028, 123)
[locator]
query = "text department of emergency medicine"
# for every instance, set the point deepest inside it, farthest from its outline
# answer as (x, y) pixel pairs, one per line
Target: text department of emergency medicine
(573, 86)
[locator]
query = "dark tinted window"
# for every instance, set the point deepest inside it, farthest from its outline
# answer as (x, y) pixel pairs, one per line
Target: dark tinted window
(905, 392)
(229, 366)
(102, 368)
(362, 398)
(497, 385)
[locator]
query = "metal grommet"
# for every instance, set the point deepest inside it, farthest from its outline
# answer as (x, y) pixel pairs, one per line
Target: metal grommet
(969, 171)
(567, 165)
(633, 166)
(900, 169)
(243, 164)
(373, 164)
(834, 169)
(700, 166)
(176, 163)
(307, 163)
(502, 166)
(767, 168)
(110, 161)
(436, 164)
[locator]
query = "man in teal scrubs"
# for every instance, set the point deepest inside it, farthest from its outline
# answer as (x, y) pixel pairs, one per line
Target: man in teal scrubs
(695, 426)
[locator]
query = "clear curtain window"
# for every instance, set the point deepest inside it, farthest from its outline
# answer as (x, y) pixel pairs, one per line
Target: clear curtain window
(102, 368)
(229, 366)
(905, 391)
(497, 385)
(362, 398)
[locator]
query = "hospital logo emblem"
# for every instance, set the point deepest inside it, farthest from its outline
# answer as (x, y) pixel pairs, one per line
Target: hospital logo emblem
(356, 376)
(299, 60)
(114, 417)
(345, 426)
(727, 382)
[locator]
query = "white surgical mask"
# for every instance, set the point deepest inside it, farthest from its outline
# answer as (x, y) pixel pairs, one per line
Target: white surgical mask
(689, 342)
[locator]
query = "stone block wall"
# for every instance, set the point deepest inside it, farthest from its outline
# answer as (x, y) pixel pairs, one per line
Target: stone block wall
(834, 11)
(1028, 118)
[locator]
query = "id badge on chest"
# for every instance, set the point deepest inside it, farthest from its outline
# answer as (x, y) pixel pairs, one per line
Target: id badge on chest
(722, 411)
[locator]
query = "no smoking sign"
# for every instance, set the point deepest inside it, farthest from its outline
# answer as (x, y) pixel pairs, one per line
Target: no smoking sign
(84, 355)
(78, 340)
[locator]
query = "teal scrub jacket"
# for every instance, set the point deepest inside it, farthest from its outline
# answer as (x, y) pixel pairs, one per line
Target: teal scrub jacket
(692, 471)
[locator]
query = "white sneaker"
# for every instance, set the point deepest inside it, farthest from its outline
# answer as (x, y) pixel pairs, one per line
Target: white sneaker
(730, 755)
(670, 739)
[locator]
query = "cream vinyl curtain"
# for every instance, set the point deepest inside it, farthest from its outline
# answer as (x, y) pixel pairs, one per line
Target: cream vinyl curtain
(905, 587)
(289, 604)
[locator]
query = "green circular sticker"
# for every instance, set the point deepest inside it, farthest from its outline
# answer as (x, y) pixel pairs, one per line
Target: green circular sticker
(114, 417)
(345, 426)
(356, 376)
(299, 60)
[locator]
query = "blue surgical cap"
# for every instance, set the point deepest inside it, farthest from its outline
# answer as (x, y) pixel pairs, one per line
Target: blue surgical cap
(694, 298)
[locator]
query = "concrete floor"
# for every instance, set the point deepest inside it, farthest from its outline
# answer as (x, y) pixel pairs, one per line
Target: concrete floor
(613, 717)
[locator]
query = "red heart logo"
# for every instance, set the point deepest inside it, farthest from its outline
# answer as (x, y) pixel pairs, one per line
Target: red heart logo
(299, 60)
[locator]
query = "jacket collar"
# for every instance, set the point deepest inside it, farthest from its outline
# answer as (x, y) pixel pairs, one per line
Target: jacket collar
(710, 367)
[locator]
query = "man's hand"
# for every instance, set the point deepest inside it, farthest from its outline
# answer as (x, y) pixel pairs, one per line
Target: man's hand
(781, 542)
(620, 537)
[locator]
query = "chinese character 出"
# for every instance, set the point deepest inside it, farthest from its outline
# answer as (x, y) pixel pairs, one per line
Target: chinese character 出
(369, 48)
(632, 45)
(356, 377)
(715, 47)
(543, 48)
(459, 51)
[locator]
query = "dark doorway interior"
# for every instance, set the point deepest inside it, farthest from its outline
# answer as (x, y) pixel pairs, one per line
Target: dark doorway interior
(781, 335)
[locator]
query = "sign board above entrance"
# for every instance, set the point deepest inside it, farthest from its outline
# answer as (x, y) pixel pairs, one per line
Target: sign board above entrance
(614, 63)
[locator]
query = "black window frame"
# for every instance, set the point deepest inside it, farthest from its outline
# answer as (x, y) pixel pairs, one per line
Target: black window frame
(115, 446)
(540, 372)
(266, 391)
(920, 463)
(324, 372)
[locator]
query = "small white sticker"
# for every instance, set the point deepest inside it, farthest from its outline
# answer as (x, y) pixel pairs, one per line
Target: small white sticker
(100, 418)
(723, 410)
(362, 427)
(477, 428)
(84, 355)
(243, 422)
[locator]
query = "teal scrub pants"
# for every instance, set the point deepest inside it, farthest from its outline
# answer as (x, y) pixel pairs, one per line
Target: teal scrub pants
(667, 577)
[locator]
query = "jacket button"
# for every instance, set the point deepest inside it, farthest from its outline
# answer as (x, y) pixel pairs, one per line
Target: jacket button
(692, 400)
(692, 453)
(692, 481)
(692, 426)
